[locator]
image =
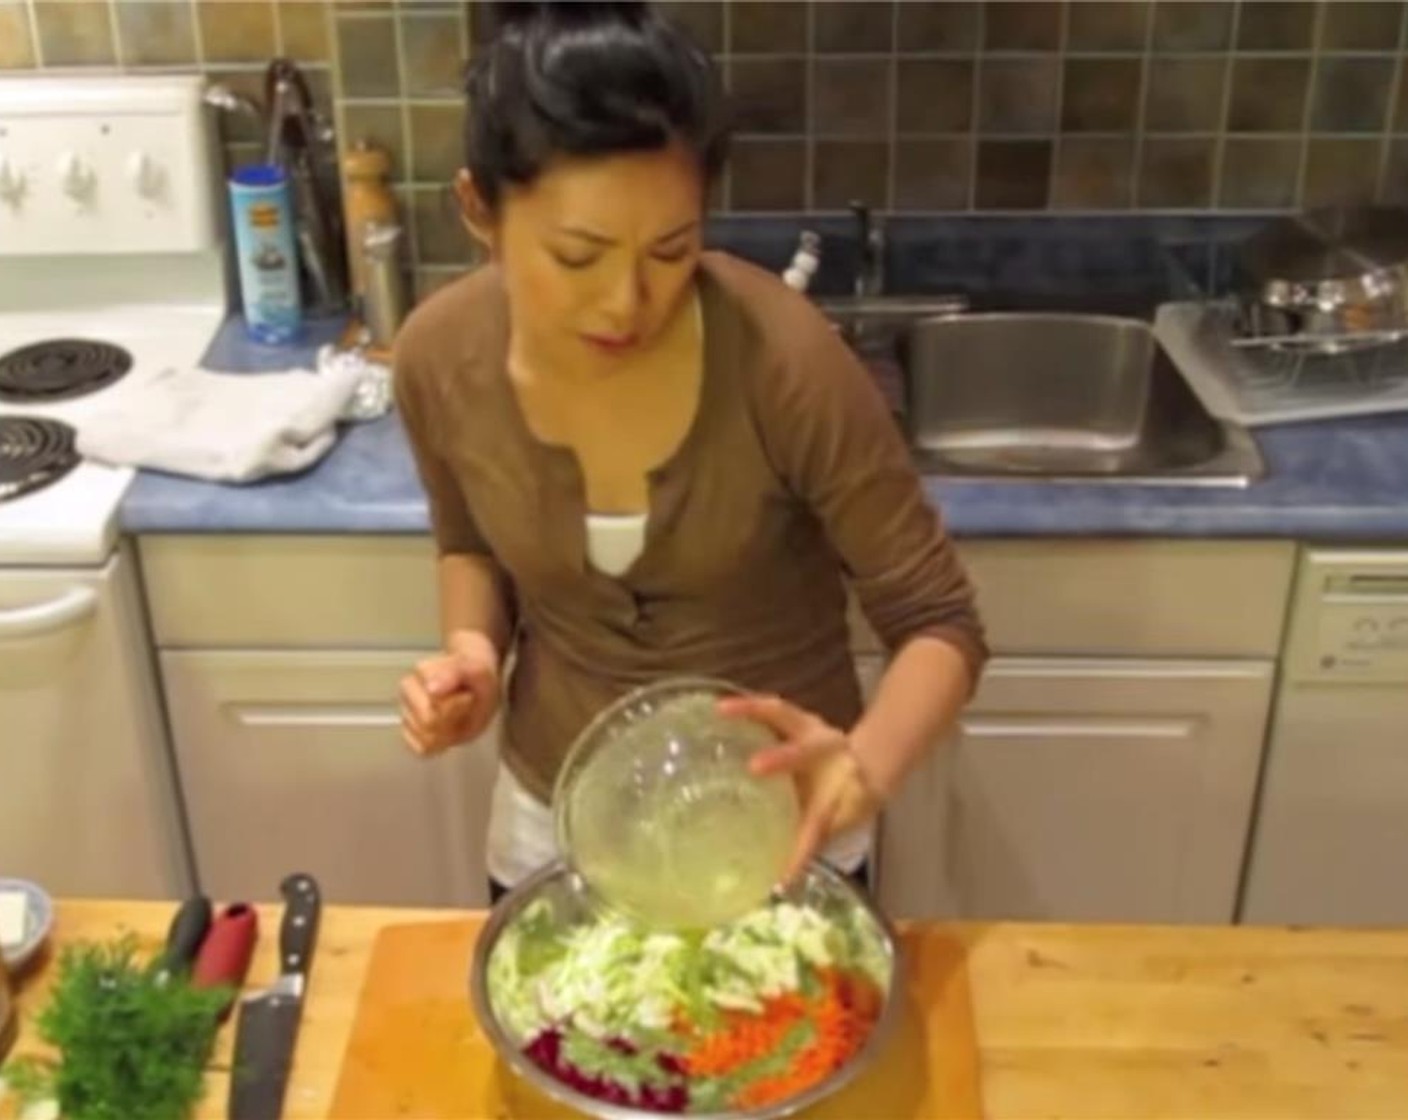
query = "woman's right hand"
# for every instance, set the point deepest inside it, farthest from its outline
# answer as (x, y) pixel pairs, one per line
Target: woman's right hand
(451, 698)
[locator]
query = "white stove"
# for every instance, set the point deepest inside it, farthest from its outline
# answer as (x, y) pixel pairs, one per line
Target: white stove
(111, 264)
(110, 256)
(74, 518)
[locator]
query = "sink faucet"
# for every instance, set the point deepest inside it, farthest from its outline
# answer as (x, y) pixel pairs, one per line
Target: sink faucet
(870, 272)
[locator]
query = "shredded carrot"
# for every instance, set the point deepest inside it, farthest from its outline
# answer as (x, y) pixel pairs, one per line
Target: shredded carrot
(842, 1015)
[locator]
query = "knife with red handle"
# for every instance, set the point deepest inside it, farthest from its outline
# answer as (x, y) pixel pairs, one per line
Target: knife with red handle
(226, 951)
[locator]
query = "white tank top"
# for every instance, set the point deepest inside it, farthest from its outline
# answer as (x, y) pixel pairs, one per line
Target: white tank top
(615, 541)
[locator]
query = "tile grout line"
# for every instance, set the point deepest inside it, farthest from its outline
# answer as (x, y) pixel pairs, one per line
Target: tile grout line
(197, 34)
(1037, 56)
(408, 142)
(1141, 112)
(1308, 110)
(725, 64)
(974, 109)
(110, 10)
(466, 52)
(1058, 132)
(277, 11)
(1082, 55)
(809, 93)
(1224, 112)
(892, 121)
(117, 53)
(36, 44)
(1222, 134)
(390, 102)
(1381, 183)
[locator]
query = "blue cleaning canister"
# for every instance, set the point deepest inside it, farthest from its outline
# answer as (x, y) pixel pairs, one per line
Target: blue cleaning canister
(268, 261)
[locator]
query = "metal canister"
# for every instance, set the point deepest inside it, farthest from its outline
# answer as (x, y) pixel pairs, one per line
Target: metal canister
(384, 296)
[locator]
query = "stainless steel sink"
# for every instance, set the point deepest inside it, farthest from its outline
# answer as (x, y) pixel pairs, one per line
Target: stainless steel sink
(1061, 396)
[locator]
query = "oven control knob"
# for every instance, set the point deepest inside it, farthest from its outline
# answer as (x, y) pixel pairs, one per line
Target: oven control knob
(12, 183)
(76, 177)
(144, 174)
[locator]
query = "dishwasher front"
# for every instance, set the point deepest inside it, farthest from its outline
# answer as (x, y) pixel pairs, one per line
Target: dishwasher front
(1330, 841)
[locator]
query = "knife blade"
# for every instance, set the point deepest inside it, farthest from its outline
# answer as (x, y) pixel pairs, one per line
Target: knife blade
(225, 954)
(268, 1021)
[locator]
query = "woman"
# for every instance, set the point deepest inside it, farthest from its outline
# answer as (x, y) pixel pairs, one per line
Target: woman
(644, 460)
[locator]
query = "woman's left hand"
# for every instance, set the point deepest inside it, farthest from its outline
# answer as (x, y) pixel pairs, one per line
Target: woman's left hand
(836, 793)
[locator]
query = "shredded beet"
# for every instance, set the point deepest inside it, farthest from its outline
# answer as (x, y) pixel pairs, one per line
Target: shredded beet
(546, 1052)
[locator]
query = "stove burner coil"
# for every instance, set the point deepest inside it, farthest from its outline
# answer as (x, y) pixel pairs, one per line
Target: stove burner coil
(33, 454)
(60, 369)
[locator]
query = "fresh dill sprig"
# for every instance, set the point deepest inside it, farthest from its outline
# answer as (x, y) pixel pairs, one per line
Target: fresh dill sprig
(129, 1043)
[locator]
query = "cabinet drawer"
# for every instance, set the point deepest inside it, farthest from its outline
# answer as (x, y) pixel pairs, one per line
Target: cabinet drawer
(292, 592)
(1132, 597)
(1079, 790)
(1037, 597)
(294, 761)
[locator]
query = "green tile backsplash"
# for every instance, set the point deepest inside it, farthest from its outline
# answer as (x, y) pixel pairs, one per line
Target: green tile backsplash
(78, 33)
(238, 30)
(915, 105)
(159, 33)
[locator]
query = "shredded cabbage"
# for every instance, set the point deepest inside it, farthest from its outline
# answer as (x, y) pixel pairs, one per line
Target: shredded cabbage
(613, 980)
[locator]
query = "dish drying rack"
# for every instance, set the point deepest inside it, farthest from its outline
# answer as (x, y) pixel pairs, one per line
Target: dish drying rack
(1258, 379)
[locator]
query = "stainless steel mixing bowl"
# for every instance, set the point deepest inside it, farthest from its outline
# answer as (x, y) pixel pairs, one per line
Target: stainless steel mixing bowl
(820, 886)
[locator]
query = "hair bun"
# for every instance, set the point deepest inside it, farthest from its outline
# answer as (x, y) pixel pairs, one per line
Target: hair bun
(521, 13)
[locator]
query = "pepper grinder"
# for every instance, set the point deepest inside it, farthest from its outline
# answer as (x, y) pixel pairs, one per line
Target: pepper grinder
(366, 170)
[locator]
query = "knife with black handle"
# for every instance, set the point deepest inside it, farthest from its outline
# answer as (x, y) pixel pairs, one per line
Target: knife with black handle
(268, 1021)
(184, 938)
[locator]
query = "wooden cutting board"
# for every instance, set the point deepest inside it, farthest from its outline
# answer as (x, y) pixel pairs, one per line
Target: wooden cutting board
(416, 1049)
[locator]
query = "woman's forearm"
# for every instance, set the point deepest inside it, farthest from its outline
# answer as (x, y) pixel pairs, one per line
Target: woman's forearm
(918, 702)
(475, 598)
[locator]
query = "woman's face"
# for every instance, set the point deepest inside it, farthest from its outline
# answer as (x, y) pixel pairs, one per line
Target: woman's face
(598, 254)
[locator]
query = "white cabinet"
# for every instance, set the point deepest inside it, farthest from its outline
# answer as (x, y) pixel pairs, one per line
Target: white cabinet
(88, 801)
(293, 761)
(281, 657)
(1085, 790)
(1117, 788)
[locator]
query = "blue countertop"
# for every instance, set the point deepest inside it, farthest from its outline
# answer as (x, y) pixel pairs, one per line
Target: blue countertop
(1327, 481)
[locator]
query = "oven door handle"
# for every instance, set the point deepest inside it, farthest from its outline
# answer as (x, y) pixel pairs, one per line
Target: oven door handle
(74, 605)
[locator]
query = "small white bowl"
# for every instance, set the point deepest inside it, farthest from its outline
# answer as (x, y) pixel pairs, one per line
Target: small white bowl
(38, 921)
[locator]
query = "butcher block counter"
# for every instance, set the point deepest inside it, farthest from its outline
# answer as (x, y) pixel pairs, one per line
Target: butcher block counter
(1071, 1021)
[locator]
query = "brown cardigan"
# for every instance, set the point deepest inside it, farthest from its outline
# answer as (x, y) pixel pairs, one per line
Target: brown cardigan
(792, 482)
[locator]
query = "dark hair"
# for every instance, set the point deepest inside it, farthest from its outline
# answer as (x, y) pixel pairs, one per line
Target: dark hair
(586, 79)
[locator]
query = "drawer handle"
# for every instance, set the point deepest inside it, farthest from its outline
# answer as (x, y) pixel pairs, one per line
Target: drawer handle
(74, 605)
(271, 715)
(1079, 729)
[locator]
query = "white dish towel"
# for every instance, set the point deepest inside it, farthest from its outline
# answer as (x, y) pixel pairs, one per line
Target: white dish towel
(228, 427)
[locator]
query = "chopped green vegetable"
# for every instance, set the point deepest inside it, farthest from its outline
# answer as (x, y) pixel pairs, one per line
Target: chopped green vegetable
(612, 979)
(602, 1059)
(129, 1045)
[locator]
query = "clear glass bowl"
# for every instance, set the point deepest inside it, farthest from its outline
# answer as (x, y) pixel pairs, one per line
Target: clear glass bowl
(658, 813)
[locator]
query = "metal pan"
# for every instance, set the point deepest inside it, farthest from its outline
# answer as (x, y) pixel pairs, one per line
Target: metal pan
(1328, 275)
